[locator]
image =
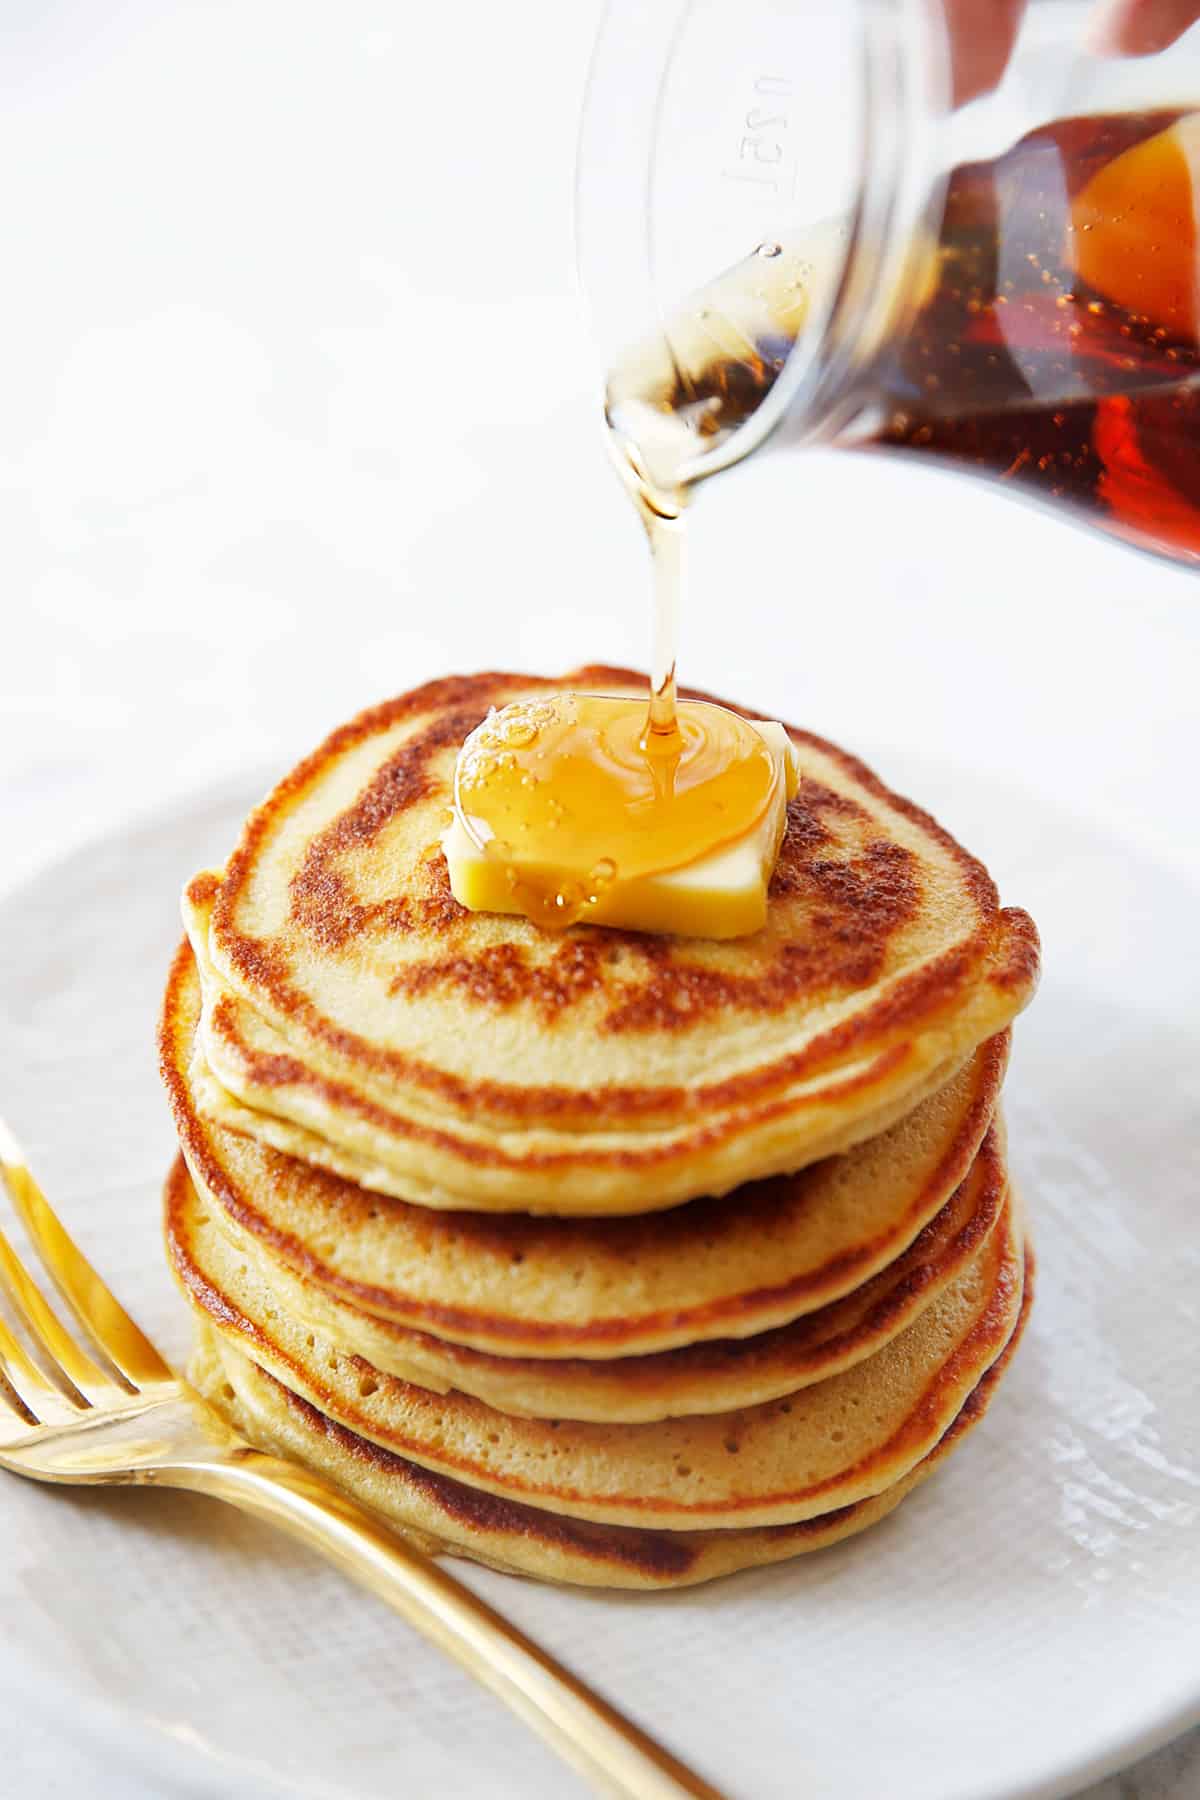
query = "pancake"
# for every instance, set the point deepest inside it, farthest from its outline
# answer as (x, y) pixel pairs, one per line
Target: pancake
(594, 1289)
(826, 1446)
(356, 1015)
(699, 1378)
(445, 1516)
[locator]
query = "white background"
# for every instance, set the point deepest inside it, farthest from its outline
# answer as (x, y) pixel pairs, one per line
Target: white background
(298, 410)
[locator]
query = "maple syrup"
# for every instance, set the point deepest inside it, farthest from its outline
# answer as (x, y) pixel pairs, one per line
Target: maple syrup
(581, 804)
(1060, 345)
(1052, 340)
(571, 797)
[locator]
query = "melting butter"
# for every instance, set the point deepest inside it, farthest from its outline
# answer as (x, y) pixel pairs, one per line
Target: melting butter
(569, 809)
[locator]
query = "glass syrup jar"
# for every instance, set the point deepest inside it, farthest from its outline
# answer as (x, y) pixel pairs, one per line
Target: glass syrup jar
(965, 228)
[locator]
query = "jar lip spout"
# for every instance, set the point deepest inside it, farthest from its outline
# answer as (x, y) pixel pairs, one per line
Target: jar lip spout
(890, 234)
(852, 278)
(714, 126)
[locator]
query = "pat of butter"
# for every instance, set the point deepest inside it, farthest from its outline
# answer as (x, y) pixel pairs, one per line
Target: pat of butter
(721, 895)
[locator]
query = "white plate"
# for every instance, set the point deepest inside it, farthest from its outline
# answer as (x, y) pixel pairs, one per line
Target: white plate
(1028, 1622)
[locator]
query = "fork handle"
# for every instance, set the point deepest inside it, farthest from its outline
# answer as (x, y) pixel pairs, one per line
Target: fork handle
(585, 1730)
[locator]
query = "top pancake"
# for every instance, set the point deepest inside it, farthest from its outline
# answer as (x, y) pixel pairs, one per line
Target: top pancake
(356, 1016)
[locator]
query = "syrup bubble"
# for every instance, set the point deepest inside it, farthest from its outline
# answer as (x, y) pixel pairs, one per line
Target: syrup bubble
(478, 771)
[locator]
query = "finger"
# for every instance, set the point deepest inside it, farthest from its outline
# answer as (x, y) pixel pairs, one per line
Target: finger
(1141, 27)
(980, 34)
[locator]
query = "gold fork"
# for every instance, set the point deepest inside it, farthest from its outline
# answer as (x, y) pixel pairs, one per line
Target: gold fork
(128, 1420)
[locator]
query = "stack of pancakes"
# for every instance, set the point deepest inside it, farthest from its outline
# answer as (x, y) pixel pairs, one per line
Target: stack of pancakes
(605, 1257)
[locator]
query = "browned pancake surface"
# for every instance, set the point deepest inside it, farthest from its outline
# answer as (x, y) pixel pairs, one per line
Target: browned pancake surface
(467, 1060)
(841, 1440)
(446, 1515)
(716, 1376)
(595, 1288)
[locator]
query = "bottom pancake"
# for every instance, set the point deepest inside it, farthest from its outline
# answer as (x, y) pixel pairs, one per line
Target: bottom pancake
(840, 1441)
(447, 1517)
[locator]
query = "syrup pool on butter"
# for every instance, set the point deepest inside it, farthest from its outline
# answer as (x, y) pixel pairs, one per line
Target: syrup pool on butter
(569, 809)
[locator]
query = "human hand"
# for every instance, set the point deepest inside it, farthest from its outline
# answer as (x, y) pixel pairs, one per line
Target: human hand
(982, 34)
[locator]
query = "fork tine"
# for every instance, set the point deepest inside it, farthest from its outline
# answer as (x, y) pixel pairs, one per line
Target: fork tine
(37, 1394)
(29, 1301)
(100, 1312)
